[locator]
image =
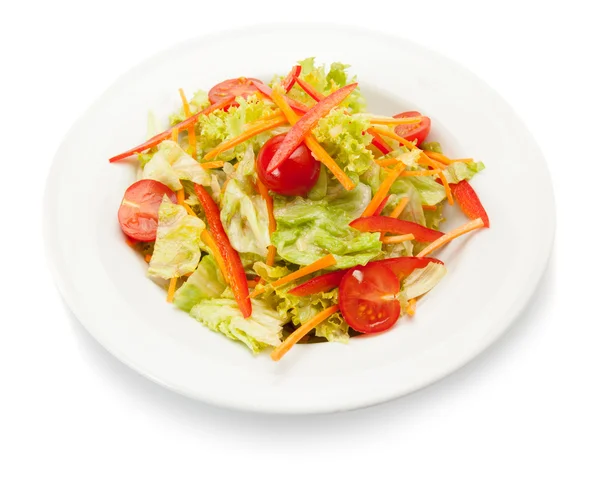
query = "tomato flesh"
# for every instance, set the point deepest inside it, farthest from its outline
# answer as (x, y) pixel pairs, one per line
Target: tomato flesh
(418, 131)
(240, 86)
(138, 213)
(295, 176)
(367, 298)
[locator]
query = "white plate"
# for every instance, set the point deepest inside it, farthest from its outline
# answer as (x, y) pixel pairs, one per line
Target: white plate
(491, 274)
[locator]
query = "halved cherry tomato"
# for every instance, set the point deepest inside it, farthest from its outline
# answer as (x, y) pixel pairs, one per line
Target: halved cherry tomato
(296, 176)
(368, 300)
(240, 86)
(418, 131)
(138, 213)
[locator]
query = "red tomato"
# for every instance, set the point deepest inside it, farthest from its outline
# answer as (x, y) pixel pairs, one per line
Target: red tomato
(296, 176)
(367, 298)
(240, 86)
(138, 214)
(416, 130)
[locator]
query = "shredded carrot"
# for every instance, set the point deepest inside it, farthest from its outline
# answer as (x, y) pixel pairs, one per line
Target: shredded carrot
(438, 157)
(217, 164)
(191, 130)
(386, 162)
(412, 306)
(322, 263)
(463, 160)
(252, 283)
(208, 239)
(430, 208)
(400, 207)
(394, 136)
(147, 258)
(271, 253)
(383, 190)
(171, 291)
(447, 188)
(301, 331)
(189, 209)
(382, 120)
(175, 134)
(397, 239)
(449, 236)
(180, 196)
(420, 173)
(311, 142)
(252, 130)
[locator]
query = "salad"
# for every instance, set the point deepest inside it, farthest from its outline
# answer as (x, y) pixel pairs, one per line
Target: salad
(285, 212)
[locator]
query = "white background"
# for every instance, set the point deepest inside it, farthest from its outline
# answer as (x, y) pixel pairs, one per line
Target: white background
(527, 411)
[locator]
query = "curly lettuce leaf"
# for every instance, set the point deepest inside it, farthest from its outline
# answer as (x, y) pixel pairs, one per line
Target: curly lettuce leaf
(198, 102)
(206, 282)
(308, 230)
(177, 246)
(458, 171)
(345, 138)
(258, 332)
(221, 125)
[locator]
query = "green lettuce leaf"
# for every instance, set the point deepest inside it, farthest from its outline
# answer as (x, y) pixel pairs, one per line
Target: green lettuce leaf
(198, 102)
(345, 138)
(420, 281)
(221, 125)
(432, 146)
(177, 247)
(206, 282)
(308, 230)
(261, 330)
(171, 163)
(458, 171)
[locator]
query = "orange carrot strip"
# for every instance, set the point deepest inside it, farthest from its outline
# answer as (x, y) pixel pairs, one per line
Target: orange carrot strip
(394, 136)
(191, 129)
(252, 283)
(322, 263)
(397, 239)
(387, 162)
(383, 190)
(301, 331)
(463, 160)
(147, 258)
(447, 188)
(271, 253)
(212, 245)
(420, 173)
(438, 156)
(430, 207)
(449, 236)
(253, 130)
(412, 306)
(400, 207)
(189, 209)
(382, 120)
(313, 145)
(180, 196)
(217, 164)
(171, 291)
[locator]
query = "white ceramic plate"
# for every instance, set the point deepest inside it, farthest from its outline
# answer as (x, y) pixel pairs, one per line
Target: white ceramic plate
(491, 274)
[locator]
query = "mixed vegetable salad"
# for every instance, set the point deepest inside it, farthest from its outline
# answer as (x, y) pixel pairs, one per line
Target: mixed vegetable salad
(285, 212)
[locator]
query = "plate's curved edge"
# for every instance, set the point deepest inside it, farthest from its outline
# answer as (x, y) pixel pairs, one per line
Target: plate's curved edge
(517, 310)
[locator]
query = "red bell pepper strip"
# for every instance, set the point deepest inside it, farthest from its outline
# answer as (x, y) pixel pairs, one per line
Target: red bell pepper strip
(296, 135)
(325, 282)
(385, 224)
(308, 89)
(405, 265)
(379, 142)
(288, 82)
(469, 202)
(155, 140)
(268, 92)
(381, 206)
(237, 276)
